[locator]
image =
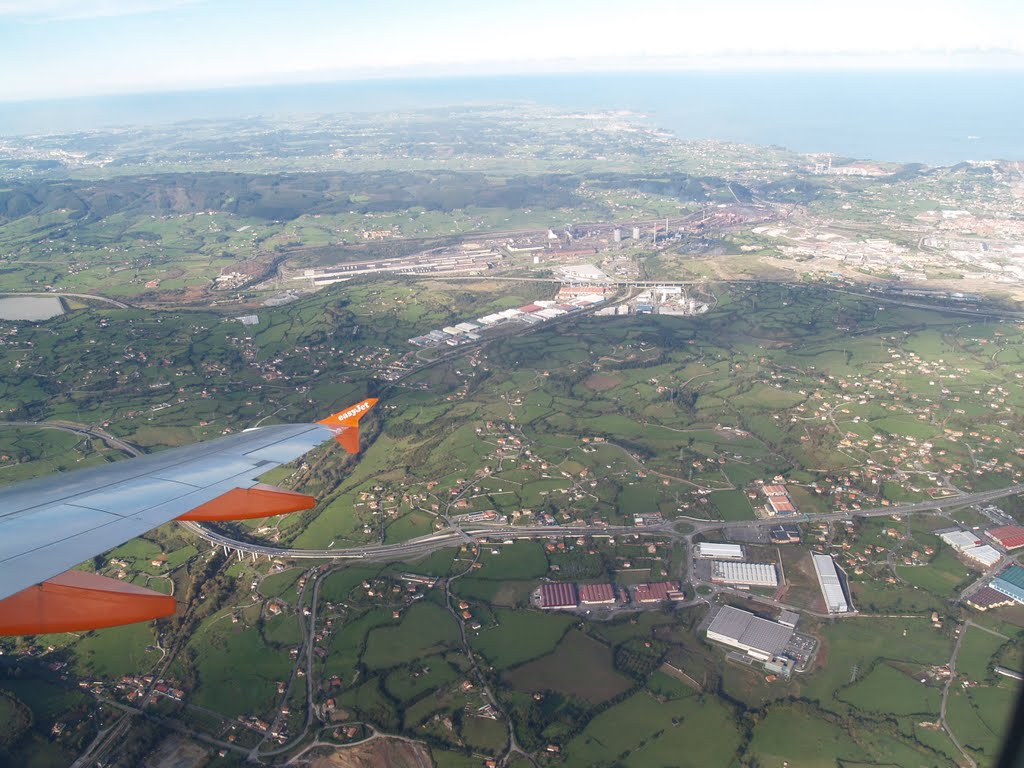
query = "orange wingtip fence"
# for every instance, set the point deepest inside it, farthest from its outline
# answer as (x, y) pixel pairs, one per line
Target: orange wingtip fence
(346, 424)
(76, 600)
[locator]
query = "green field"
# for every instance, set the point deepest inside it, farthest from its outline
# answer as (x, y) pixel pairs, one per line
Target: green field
(579, 666)
(520, 636)
(888, 690)
(732, 505)
(941, 576)
(238, 674)
(424, 629)
(977, 653)
(118, 651)
(521, 560)
(796, 731)
(641, 731)
(850, 649)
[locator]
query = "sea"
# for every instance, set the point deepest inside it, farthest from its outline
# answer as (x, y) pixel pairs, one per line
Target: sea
(930, 117)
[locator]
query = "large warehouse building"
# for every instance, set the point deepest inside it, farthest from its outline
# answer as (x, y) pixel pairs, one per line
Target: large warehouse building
(707, 550)
(558, 595)
(970, 546)
(959, 539)
(751, 574)
(1010, 583)
(1010, 536)
(657, 592)
(831, 586)
(755, 636)
(596, 594)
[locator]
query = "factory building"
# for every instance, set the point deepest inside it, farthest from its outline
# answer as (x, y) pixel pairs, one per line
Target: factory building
(757, 637)
(780, 503)
(787, 533)
(558, 596)
(748, 574)
(959, 540)
(831, 585)
(707, 551)
(1010, 583)
(986, 598)
(596, 594)
(657, 592)
(1009, 536)
(984, 555)
(970, 546)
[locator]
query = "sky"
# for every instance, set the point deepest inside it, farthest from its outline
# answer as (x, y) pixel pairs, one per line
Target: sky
(73, 48)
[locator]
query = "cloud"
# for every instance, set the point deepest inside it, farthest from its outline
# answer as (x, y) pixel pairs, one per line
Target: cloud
(66, 10)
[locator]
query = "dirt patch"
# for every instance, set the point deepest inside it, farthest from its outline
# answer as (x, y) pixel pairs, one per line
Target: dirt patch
(599, 383)
(378, 753)
(178, 752)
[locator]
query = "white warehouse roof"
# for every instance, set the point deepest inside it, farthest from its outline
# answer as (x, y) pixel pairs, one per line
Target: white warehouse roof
(709, 549)
(986, 555)
(960, 540)
(831, 587)
(754, 574)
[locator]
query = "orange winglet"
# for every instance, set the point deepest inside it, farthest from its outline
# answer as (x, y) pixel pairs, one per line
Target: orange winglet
(249, 503)
(346, 424)
(76, 600)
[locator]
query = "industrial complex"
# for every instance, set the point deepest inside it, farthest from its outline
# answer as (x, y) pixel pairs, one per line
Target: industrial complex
(530, 314)
(970, 546)
(565, 596)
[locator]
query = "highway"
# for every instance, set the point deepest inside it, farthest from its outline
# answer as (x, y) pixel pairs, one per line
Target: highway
(451, 536)
(93, 297)
(78, 429)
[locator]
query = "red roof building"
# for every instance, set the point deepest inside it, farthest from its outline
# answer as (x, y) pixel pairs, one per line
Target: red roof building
(781, 505)
(774, 490)
(558, 596)
(657, 592)
(596, 594)
(531, 308)
(1010, 536)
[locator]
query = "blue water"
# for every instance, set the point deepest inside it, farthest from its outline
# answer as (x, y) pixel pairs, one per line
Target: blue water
(923, 117)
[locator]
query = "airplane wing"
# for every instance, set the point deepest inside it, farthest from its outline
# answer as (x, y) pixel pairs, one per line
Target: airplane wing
(50, 524)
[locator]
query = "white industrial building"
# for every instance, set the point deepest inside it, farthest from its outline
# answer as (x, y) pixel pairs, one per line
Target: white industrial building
(708, 551)
(984, 555)
(960, 540)
(751, 574)
(755, 636)
(831, 586)
(970, 546)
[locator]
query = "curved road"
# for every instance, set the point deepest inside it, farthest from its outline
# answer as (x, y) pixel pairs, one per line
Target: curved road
(113, 302)
(78, 429)
(424, 545)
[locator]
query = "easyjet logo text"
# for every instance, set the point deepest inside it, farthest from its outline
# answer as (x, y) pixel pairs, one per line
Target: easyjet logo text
(353, 411)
